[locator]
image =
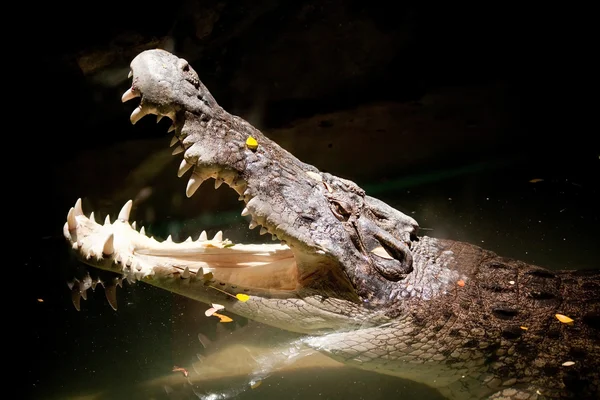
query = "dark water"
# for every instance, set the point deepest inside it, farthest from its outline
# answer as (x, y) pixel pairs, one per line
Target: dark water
(98, 353)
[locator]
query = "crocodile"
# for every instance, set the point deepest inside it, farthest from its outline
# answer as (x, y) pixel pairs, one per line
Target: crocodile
(349, 271)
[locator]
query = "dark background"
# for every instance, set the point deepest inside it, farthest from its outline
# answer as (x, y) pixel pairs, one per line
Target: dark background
(445, 111)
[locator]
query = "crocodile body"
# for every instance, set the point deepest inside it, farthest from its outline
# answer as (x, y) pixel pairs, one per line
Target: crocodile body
(350, 271)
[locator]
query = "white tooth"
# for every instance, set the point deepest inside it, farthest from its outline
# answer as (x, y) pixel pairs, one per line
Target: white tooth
(177, 150)
(381, 252)
(263, 230)
(107, 220)
(218, 183)
(92, 217)
(137, 114)
(183, 168)
(78, 209)
(245, 212)
(130, 74)
(203, 237)
(143, 231)
(158, 118)
(252, 225)
(219, 236)
(171, 128)
(133, 225)
(193, 185)
(71, 220)
(186, 273)
(189, 239)
(169, 239)
(241, 198)
(128, 95)
(173, 141)
(124, 214)
(109, 245)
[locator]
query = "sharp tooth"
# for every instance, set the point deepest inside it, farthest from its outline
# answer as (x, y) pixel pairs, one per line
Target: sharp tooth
(203, 237)
(245, 212)
(241, 198)
(109, 245)
(107, 220)
(273, 237)
(252, 225)
(75, 297)
(124, 214)
(129, 94)
(193, 185)
(381, 252)
(143, 231)
(169, 239)
(137, 114)
(219, 236)
(177, 150)
(158, 118)
(174, 141)
(78, 209)
(171, 128)
(183, 168)
(263, 230)
(130, 74)
(71, 220)
(111, 295)
(218, 183)
(133, 225)
(92, 217)
(186, 273)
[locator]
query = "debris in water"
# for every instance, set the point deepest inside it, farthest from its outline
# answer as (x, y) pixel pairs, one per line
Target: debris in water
(536, 180)
(524, 328)
(223, 318)
(40, 300)
(255, 384)
(568, 363)
(461, 283)
(213, 309)
(182, 370)
(564, 319)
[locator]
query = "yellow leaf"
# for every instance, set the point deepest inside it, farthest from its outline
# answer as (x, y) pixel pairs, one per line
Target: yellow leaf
(251, 143)
(536, 180)
(242, 297)
(223, 318)
(524, 328)
(563, 318)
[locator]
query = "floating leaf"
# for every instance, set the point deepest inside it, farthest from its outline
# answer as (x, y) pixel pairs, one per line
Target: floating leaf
(223, 318)
(251, 143)
(40, 300)
(210, 311)
(242, 297)
(536, 180)
(564, 319)
(568, 363)
(461, 283)
(213, 309)
(524, 328)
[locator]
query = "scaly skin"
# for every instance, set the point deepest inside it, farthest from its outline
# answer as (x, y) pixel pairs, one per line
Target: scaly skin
(351, 271)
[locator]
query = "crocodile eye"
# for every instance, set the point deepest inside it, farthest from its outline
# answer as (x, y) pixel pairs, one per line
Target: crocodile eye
(340, 210)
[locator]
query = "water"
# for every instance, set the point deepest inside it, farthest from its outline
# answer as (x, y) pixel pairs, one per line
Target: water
(98, 353)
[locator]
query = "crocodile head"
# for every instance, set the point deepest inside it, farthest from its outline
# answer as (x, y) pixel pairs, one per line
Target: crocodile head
(337, 244)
